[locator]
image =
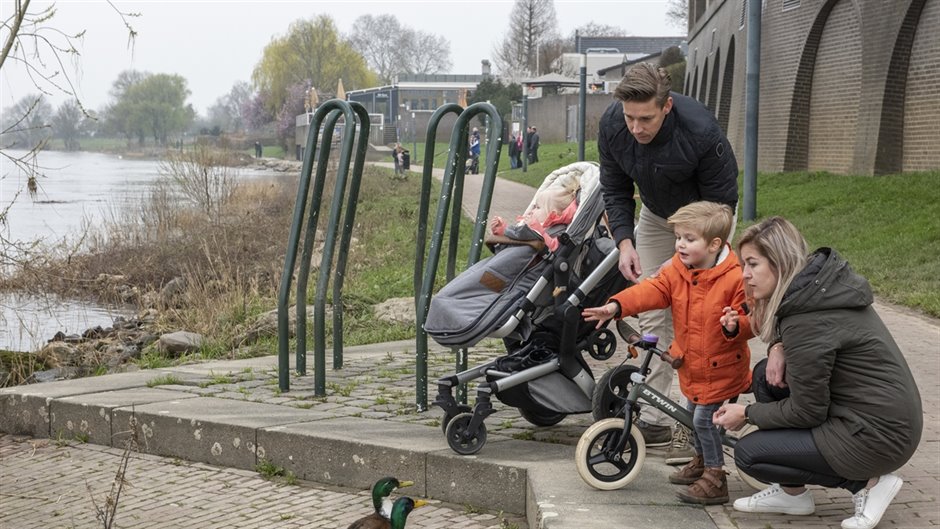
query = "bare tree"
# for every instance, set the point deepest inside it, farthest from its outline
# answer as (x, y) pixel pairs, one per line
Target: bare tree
(532, 23)
(426, 53)
(390, 48)
(31, 41)
(677, 13)
(67, 124)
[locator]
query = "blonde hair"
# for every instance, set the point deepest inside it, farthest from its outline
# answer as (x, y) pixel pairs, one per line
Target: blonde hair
(710, 219)
(785, 249)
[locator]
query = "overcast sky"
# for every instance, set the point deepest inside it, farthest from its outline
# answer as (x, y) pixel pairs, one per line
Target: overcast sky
(213, 44)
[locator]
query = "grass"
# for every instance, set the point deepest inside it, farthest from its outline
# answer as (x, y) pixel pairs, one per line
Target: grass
(886, 226)
(165, 380)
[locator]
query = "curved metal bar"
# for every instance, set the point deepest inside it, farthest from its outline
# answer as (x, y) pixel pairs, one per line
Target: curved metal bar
(339, 274)
(331, 110)
(451, 192)
(303, 187)
(329, 247)
(303, 275)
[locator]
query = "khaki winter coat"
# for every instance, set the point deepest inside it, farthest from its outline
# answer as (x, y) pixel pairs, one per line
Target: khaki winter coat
(848, 379)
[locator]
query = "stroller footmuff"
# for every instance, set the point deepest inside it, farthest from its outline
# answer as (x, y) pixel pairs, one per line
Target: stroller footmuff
(531, 297)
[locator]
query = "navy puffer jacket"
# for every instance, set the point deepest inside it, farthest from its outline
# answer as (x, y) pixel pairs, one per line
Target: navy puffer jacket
(690, 159)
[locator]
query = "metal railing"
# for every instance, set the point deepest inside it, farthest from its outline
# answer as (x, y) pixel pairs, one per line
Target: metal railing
(450, 203)
(327, 114)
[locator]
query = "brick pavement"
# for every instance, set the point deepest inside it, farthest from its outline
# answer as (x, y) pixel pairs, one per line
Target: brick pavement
(49, 484)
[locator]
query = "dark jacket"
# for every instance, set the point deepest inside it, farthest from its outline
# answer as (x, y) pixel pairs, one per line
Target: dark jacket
(689, 159)
(848, 380)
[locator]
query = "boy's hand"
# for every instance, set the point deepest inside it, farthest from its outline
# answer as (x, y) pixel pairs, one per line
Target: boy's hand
(600, 314)
(729, 320)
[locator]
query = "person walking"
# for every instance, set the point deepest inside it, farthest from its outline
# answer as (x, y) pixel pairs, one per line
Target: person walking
(514, 152)
(474, 151)
(845, 411)
(670, 147)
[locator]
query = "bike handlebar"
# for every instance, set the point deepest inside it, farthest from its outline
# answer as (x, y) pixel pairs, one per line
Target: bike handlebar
(675, 363)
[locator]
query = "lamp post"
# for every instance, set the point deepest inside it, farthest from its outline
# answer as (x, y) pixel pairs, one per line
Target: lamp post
(414, 135)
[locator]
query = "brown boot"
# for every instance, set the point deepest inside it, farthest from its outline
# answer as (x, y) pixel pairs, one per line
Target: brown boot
(710, 489)
(690, 472)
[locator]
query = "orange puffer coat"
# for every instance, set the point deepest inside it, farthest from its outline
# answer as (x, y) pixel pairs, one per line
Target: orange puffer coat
(716, 367)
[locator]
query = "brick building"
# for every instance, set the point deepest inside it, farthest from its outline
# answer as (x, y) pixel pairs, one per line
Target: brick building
(847, 86)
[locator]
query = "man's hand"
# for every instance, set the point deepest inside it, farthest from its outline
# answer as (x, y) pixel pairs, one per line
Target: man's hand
(629, 260)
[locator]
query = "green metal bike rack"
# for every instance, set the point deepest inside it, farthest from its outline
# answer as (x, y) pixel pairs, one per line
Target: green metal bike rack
(326, 115)
(450, 202)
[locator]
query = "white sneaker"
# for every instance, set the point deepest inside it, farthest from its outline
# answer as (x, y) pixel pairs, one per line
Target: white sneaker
(776, 500)
(871, 504)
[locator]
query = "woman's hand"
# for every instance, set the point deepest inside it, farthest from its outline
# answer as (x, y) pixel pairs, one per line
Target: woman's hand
(600, 314)
(729, 320)
(776, 366)
(731, 416)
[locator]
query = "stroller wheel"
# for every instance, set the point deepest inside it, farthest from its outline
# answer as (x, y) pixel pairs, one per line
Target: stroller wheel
(540, 418)
(462, 441)
(447, 417)
(610, 393)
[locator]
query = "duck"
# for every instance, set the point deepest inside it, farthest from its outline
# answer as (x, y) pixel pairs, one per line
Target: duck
(400, 511)
(381, 502)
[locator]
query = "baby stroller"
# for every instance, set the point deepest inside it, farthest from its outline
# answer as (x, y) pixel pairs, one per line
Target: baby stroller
(531, 297)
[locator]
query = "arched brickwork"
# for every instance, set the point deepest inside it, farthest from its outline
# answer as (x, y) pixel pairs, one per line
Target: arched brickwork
(921, 143)
(727, 85)
(703, 88)
(713, 89)
(797, 152)
(836, 91)
(889, 156)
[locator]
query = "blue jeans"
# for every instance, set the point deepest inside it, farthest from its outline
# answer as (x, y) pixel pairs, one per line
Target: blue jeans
(706, 440)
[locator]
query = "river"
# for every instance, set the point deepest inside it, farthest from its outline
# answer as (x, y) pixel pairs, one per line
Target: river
(78, 190)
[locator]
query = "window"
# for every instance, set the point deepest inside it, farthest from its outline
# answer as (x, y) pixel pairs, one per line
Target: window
(743, 13)
(711, 43)
(790, 4)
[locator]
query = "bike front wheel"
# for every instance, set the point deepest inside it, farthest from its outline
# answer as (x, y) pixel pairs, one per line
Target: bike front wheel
(600, 465)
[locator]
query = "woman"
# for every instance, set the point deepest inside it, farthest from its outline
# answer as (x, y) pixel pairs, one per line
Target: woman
(849, 412)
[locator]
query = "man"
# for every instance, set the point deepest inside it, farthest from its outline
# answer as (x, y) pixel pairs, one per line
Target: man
(670, 147)
(534, 145)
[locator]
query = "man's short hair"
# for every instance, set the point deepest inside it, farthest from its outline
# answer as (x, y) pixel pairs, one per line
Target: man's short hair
(644, 81)
(710, 219)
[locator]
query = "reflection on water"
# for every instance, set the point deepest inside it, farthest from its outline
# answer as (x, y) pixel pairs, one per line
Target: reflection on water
(76, 190)
(27, 322)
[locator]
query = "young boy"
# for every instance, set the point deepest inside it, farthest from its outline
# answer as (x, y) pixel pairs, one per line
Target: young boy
(702, 284)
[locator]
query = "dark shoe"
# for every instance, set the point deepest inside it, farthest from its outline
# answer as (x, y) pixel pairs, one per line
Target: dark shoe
(654, 435)
(681, 451)
(710, 489)
(688, 474)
